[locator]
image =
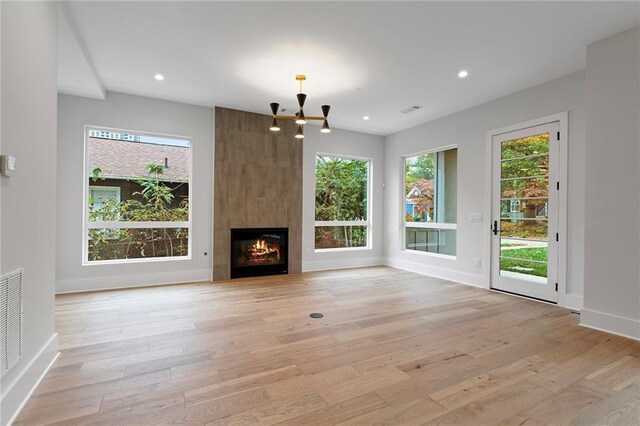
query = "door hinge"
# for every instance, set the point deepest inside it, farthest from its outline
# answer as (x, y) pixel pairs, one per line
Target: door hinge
(558, 186)
(558, 136)
(556, 286)
(557, 236)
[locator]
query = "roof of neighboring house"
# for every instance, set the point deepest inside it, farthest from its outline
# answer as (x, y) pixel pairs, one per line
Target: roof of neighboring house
(120, 159)
(422, 187)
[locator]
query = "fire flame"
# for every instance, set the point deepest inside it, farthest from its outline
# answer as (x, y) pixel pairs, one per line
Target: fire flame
(261, 248)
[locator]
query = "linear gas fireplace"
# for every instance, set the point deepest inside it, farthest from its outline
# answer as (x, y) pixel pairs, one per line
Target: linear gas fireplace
(259, 251)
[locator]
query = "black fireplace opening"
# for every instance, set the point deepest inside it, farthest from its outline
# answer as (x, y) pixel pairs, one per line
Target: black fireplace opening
(259, 251)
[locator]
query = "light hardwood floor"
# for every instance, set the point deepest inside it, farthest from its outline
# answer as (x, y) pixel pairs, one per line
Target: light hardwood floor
(393, 348)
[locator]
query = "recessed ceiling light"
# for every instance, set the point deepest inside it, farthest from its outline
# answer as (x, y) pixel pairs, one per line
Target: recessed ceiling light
(159, 77)
(366, 117)
(463, 74)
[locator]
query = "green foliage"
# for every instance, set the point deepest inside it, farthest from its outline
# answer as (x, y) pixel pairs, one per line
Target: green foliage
(537, 230)
(341, 189)
(340, 236)
(524, 147)
(419, 167)
(535, 149)
(155, 206)
(96, 174)
(517, 261)
(341, 194)
(155, 193)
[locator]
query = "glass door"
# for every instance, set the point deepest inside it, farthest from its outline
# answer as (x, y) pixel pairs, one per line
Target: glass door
(524, 221)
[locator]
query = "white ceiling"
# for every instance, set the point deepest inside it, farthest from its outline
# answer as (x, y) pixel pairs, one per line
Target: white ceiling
(76, 73)
(363, 58)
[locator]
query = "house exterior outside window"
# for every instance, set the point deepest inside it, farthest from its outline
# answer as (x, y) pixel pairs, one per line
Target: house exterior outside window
(137, 192)
(430, 203)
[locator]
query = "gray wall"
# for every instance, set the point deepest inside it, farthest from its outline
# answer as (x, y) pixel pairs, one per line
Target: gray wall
(468, 130)
(612, 230)
(138, 114)
(342, 142)
(28, 129)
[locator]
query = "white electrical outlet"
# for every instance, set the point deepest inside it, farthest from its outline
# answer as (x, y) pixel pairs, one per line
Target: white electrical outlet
(478, 263)
(475, 217)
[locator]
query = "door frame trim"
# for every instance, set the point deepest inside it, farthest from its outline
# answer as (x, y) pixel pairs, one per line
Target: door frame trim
(563, 119)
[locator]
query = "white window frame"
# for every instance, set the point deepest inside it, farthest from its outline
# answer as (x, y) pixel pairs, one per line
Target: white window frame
(367, 223)
(425, 225)
(86, 224)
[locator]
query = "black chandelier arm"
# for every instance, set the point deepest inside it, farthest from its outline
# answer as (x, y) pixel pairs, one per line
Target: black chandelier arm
(295, 117)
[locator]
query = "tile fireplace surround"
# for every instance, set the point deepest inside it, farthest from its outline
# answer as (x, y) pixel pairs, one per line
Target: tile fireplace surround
(258, 183)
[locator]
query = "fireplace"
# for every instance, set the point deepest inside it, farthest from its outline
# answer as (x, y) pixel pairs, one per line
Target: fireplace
(259, 251)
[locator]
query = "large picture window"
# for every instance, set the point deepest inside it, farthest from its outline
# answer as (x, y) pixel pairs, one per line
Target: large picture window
(342, 203)
(137, 191)
(430, 182)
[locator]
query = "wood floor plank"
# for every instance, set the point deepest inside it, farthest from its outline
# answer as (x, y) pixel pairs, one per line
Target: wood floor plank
(200, 394)
(275, 412)
(469, 390)
(300, 384)
(393, 348)
(363, 384)
(620, 409)
(60, 412)
(340, 412)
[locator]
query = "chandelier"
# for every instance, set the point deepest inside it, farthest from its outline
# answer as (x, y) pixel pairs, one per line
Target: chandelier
(299, 117)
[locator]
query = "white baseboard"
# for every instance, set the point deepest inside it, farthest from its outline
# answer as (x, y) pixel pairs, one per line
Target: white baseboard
(324, 265)
(434, 271)
(115, 282)
(571, 301)
(626, 327)
(16, 394)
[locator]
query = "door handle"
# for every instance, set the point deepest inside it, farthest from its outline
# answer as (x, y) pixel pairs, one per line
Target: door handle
(495, 228)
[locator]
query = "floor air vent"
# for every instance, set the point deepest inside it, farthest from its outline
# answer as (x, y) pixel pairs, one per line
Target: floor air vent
(10, 320)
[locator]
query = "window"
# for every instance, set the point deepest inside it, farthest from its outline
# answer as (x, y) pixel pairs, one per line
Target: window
(136, 198)
(342, 202)
(101, 195)
(430, 202)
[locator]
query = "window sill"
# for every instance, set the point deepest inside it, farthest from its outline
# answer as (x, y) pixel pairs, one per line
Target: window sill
(341, 249)
(431, 225)
(133, 261)
(426, 253)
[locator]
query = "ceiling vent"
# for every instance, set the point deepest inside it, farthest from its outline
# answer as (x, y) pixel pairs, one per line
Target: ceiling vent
(410, 109)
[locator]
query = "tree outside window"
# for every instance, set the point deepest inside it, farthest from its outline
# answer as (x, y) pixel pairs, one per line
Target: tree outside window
(341, 202)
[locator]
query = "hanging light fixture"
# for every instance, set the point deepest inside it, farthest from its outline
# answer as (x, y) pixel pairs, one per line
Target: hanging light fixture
(300, 118)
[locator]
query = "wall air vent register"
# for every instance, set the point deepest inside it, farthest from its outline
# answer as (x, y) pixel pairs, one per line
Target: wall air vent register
(10, 320)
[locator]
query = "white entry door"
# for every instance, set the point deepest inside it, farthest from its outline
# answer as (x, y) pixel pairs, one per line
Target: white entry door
(525, 206)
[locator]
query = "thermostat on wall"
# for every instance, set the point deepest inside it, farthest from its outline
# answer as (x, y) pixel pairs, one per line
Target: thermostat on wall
(7, 165)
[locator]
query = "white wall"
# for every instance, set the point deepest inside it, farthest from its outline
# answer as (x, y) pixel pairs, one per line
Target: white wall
(468, 130)
(28, 81)
(612, 249)
(342, 142)
(145, 115)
